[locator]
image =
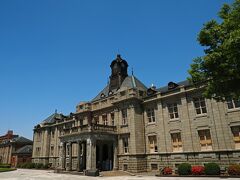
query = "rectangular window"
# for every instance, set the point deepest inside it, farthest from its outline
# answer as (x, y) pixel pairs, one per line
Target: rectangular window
(125, 145)
(152, 144)
(112, 118)
(154, 167)
(80, 122)
(39, 135)
(236, 136)
(205, 140)
(53, 133)
(125, 167)
(200, 105)
(52, 150)
(38, 149)
(105, 120)
(124, 117)
(176, 142)
(173, 111)
(96, 120)
(58, 150)
(68, 149)
(233, 104)
(151, 115)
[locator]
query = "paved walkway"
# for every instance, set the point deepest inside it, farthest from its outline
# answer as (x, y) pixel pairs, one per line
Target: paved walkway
(26, 174)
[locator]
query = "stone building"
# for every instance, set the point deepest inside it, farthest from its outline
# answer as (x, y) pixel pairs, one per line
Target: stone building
(10, 147)
(130, 127)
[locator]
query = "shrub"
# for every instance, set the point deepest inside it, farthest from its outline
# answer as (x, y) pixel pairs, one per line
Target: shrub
(46, 166)
(5, 165)
(234, 170)
(197, 170)
(184, 169)
(167, 171)
(23, 165)
(30, 165)
(19, 165)
(212, 169)
(39, 166)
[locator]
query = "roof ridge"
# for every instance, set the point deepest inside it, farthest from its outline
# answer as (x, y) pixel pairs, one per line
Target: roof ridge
(133, 81)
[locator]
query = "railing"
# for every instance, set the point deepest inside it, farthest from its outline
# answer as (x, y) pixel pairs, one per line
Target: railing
(87, 128)
(104, 128)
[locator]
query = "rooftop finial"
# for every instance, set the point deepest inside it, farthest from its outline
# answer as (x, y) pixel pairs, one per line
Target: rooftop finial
(118, 56)
(55, 111)
(132, 71)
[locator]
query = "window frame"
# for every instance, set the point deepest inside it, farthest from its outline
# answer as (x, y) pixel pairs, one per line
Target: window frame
(236, 136)
(177, 146)
(125, 141)
(150, 112)
(105, 120)
(206, 144)
(152, 144)
(112, 115)
(52, 150)
(38, 150)
(197, 101)
(124, 116)
(233, 103)
(174, 113)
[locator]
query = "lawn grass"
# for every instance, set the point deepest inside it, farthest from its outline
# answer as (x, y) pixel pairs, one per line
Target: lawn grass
(6, 169)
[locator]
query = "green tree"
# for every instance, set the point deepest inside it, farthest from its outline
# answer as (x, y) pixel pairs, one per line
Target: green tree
(219, 68)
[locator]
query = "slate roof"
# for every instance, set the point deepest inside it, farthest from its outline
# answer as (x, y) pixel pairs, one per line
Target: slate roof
(21, 140)
(52, 118)
(128, 83)
(16, 140)
(165, 88)
(25, 150)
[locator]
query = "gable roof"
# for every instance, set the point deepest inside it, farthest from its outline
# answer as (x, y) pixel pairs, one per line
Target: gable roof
(128, 83)
(25, 150)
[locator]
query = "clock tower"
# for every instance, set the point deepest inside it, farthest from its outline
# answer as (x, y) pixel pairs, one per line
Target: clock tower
(119, 72)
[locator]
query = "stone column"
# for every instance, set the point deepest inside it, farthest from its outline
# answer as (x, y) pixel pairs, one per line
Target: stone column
(115, 158)
(79, 147)
(70, 156)
(83, 155)
(91, 154)
(63, 156)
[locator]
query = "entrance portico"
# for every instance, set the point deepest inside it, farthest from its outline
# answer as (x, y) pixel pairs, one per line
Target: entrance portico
(94, 151)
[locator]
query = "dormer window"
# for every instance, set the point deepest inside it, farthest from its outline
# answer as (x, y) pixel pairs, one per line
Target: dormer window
(152, 90)
(103, 95)
(110, 93)
(172, 85)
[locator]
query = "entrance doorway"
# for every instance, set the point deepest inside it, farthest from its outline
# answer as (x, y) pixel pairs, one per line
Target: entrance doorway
(104, 155)
(82, 158)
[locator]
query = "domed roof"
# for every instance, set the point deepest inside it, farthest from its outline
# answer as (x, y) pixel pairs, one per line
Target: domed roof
(119, 60)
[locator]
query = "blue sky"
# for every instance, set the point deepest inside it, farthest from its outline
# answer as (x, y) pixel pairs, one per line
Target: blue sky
(54, 54)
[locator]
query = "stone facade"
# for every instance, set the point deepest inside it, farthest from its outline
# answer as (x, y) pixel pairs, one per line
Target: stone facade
(128, 126)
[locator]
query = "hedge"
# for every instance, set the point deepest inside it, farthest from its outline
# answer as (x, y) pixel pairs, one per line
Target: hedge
(184, 169)
(5, 165)
(212, 169)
